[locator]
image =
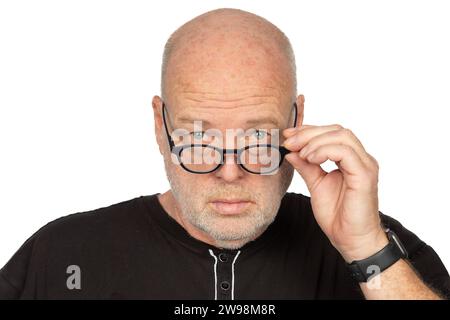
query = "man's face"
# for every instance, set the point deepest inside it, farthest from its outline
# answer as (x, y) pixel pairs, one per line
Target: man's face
(228, 204)
(226, 87)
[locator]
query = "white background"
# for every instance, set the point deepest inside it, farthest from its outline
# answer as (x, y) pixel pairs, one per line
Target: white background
(77, 78)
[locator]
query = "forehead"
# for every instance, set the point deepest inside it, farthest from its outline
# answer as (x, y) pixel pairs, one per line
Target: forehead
(229, 83)
(238, 114)
(229, 80)
(245, 106)
(227, 65)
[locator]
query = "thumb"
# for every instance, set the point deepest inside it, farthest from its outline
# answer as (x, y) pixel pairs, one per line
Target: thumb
(310, 172)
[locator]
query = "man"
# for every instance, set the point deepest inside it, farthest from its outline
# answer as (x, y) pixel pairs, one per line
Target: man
(227, 229)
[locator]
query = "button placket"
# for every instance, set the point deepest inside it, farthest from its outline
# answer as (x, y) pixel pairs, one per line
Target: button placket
(223, 257)
(224, 275)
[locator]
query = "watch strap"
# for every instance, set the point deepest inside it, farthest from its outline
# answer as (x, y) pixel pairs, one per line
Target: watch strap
(363, 270)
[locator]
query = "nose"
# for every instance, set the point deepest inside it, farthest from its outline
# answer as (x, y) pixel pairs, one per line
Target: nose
(230, 170)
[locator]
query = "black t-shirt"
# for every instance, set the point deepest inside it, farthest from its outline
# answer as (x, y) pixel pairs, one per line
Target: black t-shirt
(135, 250)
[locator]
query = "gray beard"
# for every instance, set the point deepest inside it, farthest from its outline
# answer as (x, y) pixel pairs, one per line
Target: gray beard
(206, 219)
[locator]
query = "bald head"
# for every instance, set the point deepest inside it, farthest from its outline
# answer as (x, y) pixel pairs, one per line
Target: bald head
(227, 50)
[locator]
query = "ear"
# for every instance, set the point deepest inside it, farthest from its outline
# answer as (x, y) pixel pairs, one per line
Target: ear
(300, 109)
(159, 127)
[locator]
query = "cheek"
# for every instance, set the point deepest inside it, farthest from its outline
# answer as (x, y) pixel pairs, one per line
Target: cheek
(189, 182)
(261, 187)
(275, 179)
(273, 185)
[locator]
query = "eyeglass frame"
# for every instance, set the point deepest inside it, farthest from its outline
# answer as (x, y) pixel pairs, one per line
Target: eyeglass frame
(176, 150)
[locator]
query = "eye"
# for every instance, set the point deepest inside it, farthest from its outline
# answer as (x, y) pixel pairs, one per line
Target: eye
(260, 134)
(198, 135)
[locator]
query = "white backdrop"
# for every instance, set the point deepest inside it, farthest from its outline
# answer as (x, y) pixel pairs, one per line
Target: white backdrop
(77, 78)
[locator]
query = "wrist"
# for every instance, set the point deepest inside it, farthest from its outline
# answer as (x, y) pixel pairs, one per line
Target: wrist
(362, 270)
(367, 247)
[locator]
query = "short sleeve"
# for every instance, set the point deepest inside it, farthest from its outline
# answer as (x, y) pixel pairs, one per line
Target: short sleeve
(23, 276)
(13, 274)
(422, 257)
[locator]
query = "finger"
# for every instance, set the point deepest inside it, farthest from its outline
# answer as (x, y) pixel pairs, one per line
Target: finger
(311, 173)
(344, 137)
(291, 131)
(302, 136)
(345, 157)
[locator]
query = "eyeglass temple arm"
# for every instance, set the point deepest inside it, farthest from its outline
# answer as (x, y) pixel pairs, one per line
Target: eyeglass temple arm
(169, 138)
(295, 114)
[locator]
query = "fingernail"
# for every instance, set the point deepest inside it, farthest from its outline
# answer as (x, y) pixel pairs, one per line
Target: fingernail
(288, 142)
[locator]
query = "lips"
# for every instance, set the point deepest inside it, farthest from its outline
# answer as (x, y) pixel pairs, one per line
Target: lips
(230, 206)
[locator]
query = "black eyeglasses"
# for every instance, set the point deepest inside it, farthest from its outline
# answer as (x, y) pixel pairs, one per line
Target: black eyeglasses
(205, 158)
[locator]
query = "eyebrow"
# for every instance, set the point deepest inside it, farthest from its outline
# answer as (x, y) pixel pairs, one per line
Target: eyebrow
(264, 120)
(186, 119)
(251, 122)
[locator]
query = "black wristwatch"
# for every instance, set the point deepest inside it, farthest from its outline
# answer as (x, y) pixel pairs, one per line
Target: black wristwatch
(363, 270)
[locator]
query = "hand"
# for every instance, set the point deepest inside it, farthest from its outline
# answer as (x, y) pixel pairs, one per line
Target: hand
(345, 200)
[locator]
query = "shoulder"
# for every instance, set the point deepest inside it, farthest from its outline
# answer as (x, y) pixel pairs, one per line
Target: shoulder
(421, 256)
(97, 221)
(87, 233)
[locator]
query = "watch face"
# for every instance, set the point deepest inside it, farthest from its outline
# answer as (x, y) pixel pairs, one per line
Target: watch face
(399, 244)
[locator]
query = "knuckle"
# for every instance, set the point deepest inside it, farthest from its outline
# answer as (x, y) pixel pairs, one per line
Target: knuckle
(347, 148)
(347, 132)
(374, 162)
(337, 126)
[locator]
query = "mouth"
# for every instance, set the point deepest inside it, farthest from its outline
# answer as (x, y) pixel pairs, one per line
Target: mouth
(230, 206)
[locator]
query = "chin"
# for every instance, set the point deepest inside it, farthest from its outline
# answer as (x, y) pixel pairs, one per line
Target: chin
(235, 235)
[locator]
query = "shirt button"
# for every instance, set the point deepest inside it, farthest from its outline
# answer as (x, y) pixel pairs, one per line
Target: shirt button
(223, 257)
(225, 285)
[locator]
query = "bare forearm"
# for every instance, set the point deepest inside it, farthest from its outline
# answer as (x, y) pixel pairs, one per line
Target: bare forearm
(398, 282)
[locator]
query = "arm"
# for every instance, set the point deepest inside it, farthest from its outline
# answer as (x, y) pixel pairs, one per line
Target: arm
(400, 281)
(345, 204)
